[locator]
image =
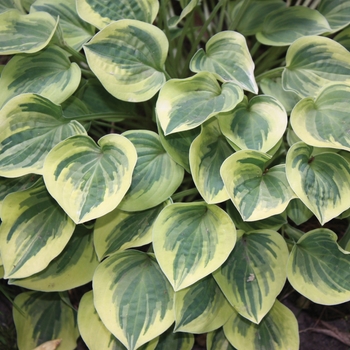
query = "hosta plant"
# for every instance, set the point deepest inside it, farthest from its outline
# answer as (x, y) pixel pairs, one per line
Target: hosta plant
(170, 152)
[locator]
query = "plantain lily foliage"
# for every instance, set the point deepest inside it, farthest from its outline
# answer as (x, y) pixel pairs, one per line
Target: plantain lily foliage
(168, 153)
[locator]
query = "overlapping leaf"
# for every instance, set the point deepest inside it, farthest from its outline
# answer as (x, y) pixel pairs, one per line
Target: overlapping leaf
(175, 20)
(25, 33)
(48, 73)
(156, 176)
(258, 124)
(33, 232)
(324, 122)
(10, 5)
(256, 191)
(72, 268)
(76, 32)
(184, 104)
(217, 340)
(227, 56)
(337, 13)
(178, 341)
(312, 62)
(89, 180)
(322, 181)
(139, 296)
(191, 240)
(101, 14)
(318, 268)
(277, 331)
(120, 230)
(343, 38)
(201, 307)
(207, 153)
(30, 126)
(254, 273)
(298, 212)
(285, 25)
(96, 336)
(132, 49)
(41, 317)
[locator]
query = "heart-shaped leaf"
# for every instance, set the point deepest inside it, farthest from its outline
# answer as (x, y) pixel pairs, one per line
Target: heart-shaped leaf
(256, 191)
(30, 126)
(191, 240)
(258, 124)
(324, 122)
(120, 230)
(25, 33)
(72, 268)
(129, 48)
(41, 317)
(278, 330)
(156, 176)
(94, 333)
(318, 268)
(184, 104)
(89, 181)
(48, 73)
(33, 232)
(322, 181)
(280, 29)
(76, 32)
(254, 273)
(337, 13)
(100, 15)
(201, 307)
(312, 62)
(227, 56)
(139, 296)
(207, 153)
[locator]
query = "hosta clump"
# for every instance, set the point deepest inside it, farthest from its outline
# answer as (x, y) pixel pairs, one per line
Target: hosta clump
(204, 133)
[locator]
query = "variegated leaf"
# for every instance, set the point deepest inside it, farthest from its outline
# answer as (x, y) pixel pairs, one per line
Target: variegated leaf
(285, 25)
(254, 273)
(94, 333)
(207, 153)
(76, 32)
(42, 317)
(322, 181)
(191, 240)
(184, 104)
(30, 126)
(227, 56)
(72, 268)
(175, 20)
(178, 341)
(252, 18)
(201, 307)
(156, 176)
(343, 38)
(25, 33)
(256, 191)
(274, 222)
(278, 330)
(216, 340)
(318, 268)
(6, 5)
(33, 232)
(298, 212)
(129, 48)
(258, 124)
(26, 4)
(9, 185)
(48, 73)
(324, 122)
(337, 13)
(120, 230)
(178, 145)
(139, 297)
(89, 180)
(313, 62)
(101, 14)
(273, 87)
